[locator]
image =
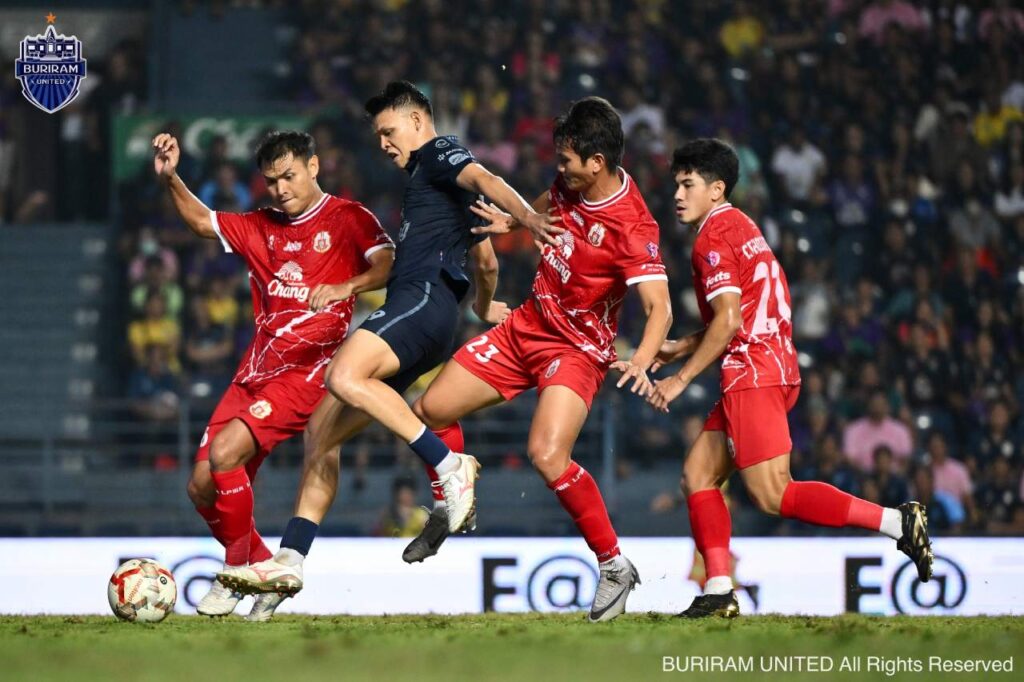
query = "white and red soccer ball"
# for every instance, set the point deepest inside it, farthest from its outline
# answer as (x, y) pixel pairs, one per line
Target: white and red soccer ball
(143, 591)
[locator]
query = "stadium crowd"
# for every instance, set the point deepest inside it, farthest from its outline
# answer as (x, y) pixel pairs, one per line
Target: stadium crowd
(882, 154)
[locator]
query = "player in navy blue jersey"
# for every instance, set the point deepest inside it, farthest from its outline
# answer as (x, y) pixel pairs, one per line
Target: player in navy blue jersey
(411, 333)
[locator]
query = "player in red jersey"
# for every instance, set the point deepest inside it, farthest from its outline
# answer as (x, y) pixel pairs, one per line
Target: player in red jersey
(560, 339)
(744, 302)
(307, 258)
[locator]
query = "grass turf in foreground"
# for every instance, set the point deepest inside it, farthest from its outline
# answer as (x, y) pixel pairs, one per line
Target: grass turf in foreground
(529, 647)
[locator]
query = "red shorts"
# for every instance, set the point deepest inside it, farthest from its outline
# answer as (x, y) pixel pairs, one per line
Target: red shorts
(520, 353)
(755, 423)
(274, 411)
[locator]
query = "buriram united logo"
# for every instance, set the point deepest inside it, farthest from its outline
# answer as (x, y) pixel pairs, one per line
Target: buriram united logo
(50, 68)
(287, 283)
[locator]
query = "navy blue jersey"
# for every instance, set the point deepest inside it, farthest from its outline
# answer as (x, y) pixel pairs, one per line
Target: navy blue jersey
(434, 237)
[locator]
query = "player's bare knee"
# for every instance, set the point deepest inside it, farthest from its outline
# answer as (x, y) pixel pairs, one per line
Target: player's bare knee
(201, 491)
(767, 501)
(425, 412)
(224, 455)
(696, 479)
(549, 460)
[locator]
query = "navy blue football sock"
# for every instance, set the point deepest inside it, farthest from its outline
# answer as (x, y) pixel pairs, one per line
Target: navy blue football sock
(430, 448)
(299, 535)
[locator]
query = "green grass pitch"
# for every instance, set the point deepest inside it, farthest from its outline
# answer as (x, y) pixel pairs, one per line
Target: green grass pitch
(530, 647)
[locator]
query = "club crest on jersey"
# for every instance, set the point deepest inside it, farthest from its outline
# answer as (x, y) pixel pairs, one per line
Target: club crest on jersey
(50, 69)
(322, 242)
(260, 409)
(652, 249)
(713, 259)
(596, 234)
(270, 242)
(576, 217)
(552, 368)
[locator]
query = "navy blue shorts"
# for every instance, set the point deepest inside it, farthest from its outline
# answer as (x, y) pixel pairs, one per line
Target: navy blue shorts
(418, 321)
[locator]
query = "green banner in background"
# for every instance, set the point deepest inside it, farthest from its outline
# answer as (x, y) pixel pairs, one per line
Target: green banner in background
(133, 136)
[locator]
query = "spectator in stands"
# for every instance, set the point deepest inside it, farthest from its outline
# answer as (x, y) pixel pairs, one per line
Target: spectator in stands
(944, 512)
(877, 428)
(890, 483)
(950, 476)
(403, 518)
(998, 497)
(800, 166)
(155, 278)
(209, 349)
(225, 191)
(153, 387)
(155, 328)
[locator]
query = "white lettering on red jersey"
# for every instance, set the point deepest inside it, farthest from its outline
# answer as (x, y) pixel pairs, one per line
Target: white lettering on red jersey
(287, 258)
(607, 246)
(731, 255)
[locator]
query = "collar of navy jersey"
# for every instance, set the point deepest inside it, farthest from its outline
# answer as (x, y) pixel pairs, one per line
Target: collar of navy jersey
(715, 211)
(414, 155)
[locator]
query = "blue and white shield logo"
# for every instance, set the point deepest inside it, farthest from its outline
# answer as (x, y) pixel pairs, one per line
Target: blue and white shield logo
(50, 69)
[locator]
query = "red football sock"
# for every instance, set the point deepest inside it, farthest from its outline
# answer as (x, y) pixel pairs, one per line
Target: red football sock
(579, 495)
(711, 527)
(258, 550)
(825, 505)
(453, 438)
(234, 509)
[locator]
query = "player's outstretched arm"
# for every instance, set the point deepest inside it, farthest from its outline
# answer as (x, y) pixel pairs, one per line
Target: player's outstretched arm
(374, 278)
(485, 273)
(166, 154)
(476, 178)
(657, 305)
(677, 349)
(724, 325)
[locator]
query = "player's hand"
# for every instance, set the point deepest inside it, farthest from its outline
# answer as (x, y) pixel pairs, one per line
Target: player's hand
(166, 154)
(544, 226)
(641, 384)
(495, 314)
(669, 352)
(498, 222)
(665, 391)
(325, 294)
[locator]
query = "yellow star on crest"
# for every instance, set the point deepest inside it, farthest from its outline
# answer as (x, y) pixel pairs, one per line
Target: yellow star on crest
(51, 18)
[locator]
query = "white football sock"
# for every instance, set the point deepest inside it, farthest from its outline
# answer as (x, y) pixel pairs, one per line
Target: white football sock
(720, 584)
(447, 465)
(618, 560)
(439, 504)
(289, 557)
(892, 523)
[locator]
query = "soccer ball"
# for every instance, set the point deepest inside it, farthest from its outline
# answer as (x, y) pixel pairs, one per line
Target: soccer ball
(141, 590)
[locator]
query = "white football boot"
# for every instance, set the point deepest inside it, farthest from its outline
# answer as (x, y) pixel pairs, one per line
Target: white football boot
(262, 577)
(264, 606)
(221, 600)
(459, 488)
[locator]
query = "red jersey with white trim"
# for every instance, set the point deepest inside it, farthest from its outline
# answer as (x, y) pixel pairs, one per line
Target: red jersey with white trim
(287, 258)
(608, 245)
(731, 255)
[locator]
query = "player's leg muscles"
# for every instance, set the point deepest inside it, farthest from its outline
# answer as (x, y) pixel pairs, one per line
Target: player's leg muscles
(232, 447)
(707, 465)
(766, 483)
(453, 394)
(354, 377)
(556, 425)
(331, 425)
(200, 486)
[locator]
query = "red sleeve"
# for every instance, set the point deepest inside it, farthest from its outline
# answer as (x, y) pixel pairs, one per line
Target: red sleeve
(240, 233)
(367, 234)
(715, 263)
(641, 261)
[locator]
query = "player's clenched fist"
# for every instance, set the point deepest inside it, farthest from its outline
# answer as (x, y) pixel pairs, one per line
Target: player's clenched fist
(495, 313)
(165, 155)
(325, 294)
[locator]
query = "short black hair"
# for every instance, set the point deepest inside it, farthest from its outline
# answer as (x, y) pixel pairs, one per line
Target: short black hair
(710, 158)
(591, 126)
(282, 142)
(398, 94)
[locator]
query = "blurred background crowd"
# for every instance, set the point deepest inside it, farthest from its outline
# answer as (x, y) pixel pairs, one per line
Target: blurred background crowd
(882, 154)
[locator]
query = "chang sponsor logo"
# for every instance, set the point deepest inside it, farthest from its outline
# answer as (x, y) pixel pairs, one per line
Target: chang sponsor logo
(288, 283)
